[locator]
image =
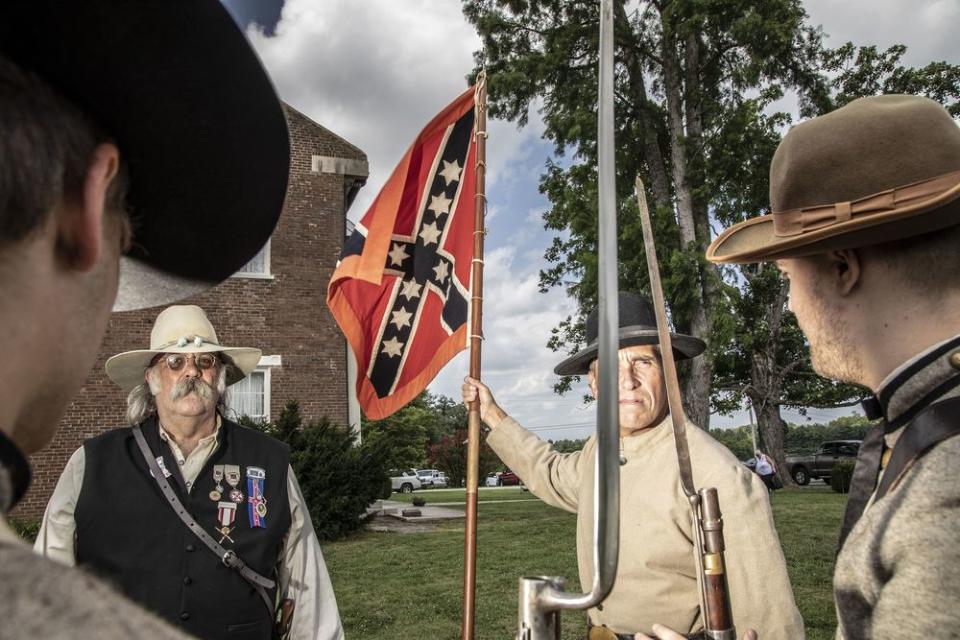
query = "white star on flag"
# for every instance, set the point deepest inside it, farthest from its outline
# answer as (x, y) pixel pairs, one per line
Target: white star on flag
(401, 318)
(440, 204)
(411, 289)
(392, 347)
(398, 254)
(451, 171)
(430, 233)
(441, 271)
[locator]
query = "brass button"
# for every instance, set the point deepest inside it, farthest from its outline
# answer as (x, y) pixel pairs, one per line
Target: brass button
(955, 359)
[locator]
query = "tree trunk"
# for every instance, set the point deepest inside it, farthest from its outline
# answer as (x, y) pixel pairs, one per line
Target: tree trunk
(766, 381)
(659, 181)
(772, 439)
(697, 384)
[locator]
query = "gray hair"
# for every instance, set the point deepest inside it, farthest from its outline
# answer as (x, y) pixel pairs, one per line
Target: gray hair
(142, 403)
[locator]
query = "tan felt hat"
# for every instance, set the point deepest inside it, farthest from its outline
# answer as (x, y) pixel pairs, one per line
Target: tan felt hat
(180, 329)
(881, 168)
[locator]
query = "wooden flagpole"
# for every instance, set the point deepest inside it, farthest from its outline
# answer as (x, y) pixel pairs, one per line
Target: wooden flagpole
(476, 333)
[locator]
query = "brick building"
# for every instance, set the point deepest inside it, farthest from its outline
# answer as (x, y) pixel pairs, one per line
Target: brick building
(275, 303)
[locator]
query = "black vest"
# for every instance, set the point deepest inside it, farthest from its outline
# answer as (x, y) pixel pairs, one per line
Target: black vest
(129, 534)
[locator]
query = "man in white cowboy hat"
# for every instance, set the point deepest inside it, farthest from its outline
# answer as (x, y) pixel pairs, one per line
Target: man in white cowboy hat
(236, 483)
(104, 132)
(656, 576)
(865, 225)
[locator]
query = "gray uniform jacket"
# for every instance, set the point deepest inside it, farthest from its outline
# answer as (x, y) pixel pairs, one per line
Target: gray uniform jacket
(44, 599)
(898, 574)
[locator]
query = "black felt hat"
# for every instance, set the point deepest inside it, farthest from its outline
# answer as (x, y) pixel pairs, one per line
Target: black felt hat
(197, 121)
(638, 325)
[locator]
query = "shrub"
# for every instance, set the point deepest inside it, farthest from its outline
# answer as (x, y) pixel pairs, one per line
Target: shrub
(339, 480)
(841, 476)
(26, 529)
(419, 502)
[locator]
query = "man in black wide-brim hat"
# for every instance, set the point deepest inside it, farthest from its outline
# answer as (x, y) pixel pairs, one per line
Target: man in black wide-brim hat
(657, 575)
(132, 134)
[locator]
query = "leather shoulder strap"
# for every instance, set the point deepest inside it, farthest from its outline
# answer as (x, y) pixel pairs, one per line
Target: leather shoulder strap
(937, 423)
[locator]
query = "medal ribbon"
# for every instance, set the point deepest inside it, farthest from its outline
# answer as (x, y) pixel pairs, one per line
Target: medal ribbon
(256, 513)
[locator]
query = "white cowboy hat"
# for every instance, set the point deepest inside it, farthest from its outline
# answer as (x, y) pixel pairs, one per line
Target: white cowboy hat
(180, 329)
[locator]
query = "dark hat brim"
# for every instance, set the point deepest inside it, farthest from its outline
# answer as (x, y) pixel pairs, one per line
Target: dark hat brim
(684, 348)
(194, 114)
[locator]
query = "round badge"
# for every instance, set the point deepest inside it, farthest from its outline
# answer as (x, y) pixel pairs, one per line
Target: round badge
(262, 509)
(236, 495)
(215, 495)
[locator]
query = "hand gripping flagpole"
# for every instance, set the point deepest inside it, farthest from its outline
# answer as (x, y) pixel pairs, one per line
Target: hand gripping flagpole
(542, 598)
(476, 335)
(704, 504)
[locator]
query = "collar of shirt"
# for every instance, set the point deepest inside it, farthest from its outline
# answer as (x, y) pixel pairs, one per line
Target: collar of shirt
(14, 474)
(647, 437)
(190, 465)
(930, 376)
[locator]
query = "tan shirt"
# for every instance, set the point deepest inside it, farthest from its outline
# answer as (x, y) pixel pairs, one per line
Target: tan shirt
(302, 570)
(656, 577)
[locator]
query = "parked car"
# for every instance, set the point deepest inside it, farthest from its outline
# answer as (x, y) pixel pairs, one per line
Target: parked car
(820, 465)
(509, 478)
(426, 476)
(405, 481)
(493, 480)
(432, 478)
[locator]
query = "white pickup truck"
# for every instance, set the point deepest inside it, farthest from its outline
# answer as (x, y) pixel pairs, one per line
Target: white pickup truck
(404, 481)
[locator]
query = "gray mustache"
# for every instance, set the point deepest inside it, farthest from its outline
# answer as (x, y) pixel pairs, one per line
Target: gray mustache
(191, 385)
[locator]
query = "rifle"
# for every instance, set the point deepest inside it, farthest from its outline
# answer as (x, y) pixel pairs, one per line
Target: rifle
(704, 504)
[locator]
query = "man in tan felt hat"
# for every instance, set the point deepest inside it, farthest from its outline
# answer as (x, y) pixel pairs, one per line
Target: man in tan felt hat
(656, 576)
(107, 512)
(102, 133)
(866, 227)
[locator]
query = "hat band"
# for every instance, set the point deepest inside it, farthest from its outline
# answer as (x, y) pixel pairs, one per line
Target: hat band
(798, 221)
(182, 341)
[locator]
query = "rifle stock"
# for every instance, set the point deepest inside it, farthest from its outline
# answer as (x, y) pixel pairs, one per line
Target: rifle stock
(717, 616)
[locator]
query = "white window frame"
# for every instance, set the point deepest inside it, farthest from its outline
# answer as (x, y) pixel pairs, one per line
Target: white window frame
(267, 274)
(265, 366)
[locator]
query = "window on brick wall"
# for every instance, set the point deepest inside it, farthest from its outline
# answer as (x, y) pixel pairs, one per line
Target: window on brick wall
(251, 396)
(259, 265)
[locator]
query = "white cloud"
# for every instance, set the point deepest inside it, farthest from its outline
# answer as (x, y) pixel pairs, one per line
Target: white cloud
(375, 72)
(927, 27)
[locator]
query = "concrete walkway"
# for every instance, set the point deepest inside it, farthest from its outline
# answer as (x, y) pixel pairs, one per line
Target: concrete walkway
(428, 513)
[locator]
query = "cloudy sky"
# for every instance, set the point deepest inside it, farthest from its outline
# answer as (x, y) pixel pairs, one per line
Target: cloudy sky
(375, 71)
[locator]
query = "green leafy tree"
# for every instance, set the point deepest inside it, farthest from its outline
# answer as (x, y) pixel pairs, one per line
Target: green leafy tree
(569, 446)
(402, 435)
(339, 479)
(683, 69)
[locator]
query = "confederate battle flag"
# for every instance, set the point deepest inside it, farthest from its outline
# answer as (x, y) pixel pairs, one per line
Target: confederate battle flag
(401, 292)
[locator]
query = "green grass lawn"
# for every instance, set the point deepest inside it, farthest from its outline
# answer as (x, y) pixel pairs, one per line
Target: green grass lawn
(401, 586)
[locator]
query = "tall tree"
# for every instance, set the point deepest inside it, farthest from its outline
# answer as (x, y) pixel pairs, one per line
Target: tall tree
(765, 359)
(682, 67)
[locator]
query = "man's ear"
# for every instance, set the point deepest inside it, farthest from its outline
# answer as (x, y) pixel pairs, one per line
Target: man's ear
(845, 267)
(80, 223)
(592, 380)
